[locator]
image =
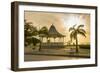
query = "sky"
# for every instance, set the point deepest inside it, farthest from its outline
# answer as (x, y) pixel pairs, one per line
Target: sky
(62, 22)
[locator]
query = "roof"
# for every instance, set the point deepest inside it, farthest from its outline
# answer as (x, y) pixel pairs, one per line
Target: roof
(53, 32)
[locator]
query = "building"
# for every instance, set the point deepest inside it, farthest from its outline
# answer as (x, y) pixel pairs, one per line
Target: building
(52, 34)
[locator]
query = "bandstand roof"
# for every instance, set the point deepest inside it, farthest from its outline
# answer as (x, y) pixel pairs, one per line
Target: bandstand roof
(53, 32)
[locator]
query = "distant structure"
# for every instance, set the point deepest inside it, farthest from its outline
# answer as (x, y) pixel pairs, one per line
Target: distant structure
(52, 33)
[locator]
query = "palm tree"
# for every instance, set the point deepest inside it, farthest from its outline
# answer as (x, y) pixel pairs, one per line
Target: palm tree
(75, 32)
(43, 31)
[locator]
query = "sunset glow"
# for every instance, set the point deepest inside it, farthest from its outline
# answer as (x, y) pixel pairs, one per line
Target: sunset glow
(62, 22)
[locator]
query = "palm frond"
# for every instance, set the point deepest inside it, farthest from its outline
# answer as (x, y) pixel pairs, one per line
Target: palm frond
(73, 35)
(74, 25)
(81, 33)
(81, 30)
(80, 26)
(71, 29)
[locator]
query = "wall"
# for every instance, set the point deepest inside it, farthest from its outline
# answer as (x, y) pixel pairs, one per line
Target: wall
(5, 48)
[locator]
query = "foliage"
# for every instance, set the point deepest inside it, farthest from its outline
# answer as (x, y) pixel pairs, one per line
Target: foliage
(77, 31)
(30, 32)
(43, 30)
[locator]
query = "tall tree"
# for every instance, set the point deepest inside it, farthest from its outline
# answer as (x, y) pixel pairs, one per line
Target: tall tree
(43, 30)
(29, 31)
(75, 32)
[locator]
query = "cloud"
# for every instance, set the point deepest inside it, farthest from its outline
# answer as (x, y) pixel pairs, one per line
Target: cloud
(62, 21)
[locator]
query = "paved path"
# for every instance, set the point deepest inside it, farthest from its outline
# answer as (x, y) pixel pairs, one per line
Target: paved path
(55, 54)
(46, 57)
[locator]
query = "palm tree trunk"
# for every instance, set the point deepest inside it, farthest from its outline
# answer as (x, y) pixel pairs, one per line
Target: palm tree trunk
(40, 46)
(77, 45)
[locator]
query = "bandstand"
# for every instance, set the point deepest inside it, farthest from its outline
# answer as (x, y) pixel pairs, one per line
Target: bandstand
(53, 34)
